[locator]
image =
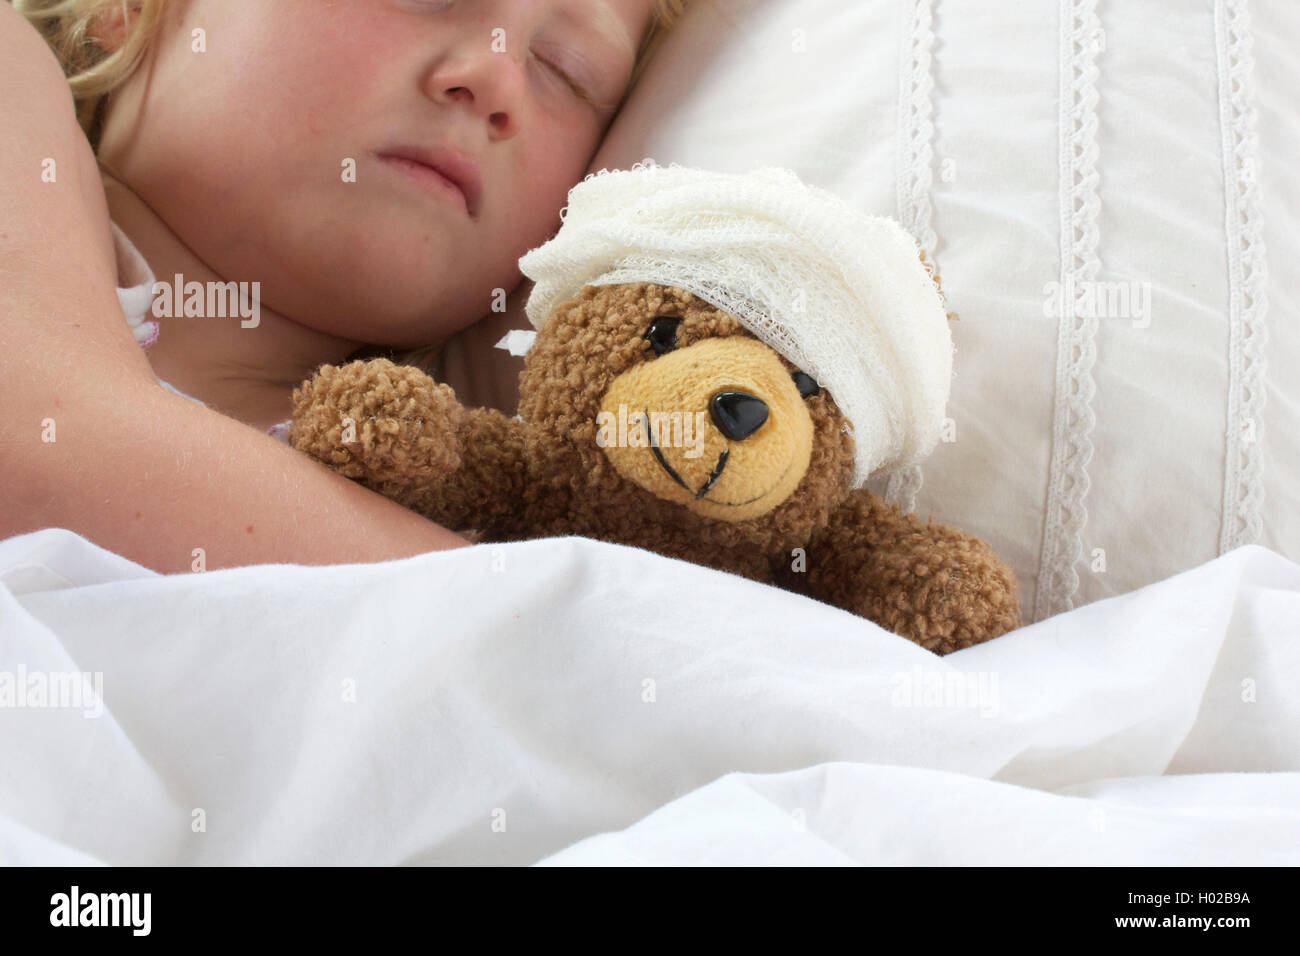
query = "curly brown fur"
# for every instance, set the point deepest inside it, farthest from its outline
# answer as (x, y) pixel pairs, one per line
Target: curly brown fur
(507, 479)
(598, 336)
(941, 588)
(408, 434)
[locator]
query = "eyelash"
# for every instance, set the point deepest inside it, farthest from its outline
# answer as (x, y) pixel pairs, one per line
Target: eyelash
(577, 90)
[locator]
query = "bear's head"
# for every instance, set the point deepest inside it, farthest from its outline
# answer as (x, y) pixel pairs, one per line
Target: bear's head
(663, 411)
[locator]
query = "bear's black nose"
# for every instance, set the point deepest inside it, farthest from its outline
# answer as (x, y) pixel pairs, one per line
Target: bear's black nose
(737, 414)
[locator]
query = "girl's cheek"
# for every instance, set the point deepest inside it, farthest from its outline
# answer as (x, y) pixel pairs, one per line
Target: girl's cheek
(357, 42)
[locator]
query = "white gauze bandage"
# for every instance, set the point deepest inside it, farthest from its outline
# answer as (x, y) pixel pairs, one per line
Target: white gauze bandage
(842, 295)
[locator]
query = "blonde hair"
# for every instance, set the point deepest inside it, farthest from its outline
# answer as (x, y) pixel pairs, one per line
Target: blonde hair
(94, 73)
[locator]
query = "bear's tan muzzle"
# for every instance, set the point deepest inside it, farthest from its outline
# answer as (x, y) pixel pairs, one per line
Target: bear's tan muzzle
(718, 426)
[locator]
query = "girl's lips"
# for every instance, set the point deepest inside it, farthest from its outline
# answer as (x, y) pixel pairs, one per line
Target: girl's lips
(451, 164)
(428, 177)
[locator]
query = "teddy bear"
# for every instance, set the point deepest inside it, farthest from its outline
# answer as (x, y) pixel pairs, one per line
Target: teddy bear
(650, 415)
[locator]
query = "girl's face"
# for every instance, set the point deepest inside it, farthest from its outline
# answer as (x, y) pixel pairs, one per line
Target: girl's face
(247, 150)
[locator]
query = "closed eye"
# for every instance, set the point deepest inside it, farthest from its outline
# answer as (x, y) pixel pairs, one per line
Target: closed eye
(573, 85)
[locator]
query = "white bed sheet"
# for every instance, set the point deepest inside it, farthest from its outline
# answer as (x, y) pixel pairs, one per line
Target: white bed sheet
(570, 702)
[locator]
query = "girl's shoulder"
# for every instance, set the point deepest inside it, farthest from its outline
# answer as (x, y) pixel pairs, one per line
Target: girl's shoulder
(26, 56)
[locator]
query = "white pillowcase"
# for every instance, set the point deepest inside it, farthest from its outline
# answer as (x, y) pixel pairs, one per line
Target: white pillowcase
(1143, 159)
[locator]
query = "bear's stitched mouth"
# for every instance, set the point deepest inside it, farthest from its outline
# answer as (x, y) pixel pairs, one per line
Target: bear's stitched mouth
(737, 504)
(659, 456)
(717, 472)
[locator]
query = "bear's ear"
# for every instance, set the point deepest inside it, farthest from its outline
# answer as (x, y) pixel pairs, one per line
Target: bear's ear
(933, 272)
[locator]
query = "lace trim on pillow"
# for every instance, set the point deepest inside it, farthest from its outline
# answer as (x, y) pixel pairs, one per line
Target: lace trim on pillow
(1073, 418)
(1243, 490)
(915, 177)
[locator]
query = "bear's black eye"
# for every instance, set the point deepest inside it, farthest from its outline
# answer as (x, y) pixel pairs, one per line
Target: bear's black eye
(806, 384)
(663, 333)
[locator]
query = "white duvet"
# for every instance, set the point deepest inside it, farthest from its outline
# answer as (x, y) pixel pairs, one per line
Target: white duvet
(566, 701)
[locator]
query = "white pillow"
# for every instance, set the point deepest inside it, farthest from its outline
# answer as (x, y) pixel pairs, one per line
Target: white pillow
(1030, 148)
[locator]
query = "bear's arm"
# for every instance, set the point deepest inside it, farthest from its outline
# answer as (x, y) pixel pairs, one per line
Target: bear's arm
(487, 492)
(395, 430)
(931, 583)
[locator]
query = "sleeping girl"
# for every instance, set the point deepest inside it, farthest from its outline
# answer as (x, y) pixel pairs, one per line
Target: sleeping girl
(374, 169)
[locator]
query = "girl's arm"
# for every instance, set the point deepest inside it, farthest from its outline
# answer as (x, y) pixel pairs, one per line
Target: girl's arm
(89, 440)
(59, 312)
(153, 476)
